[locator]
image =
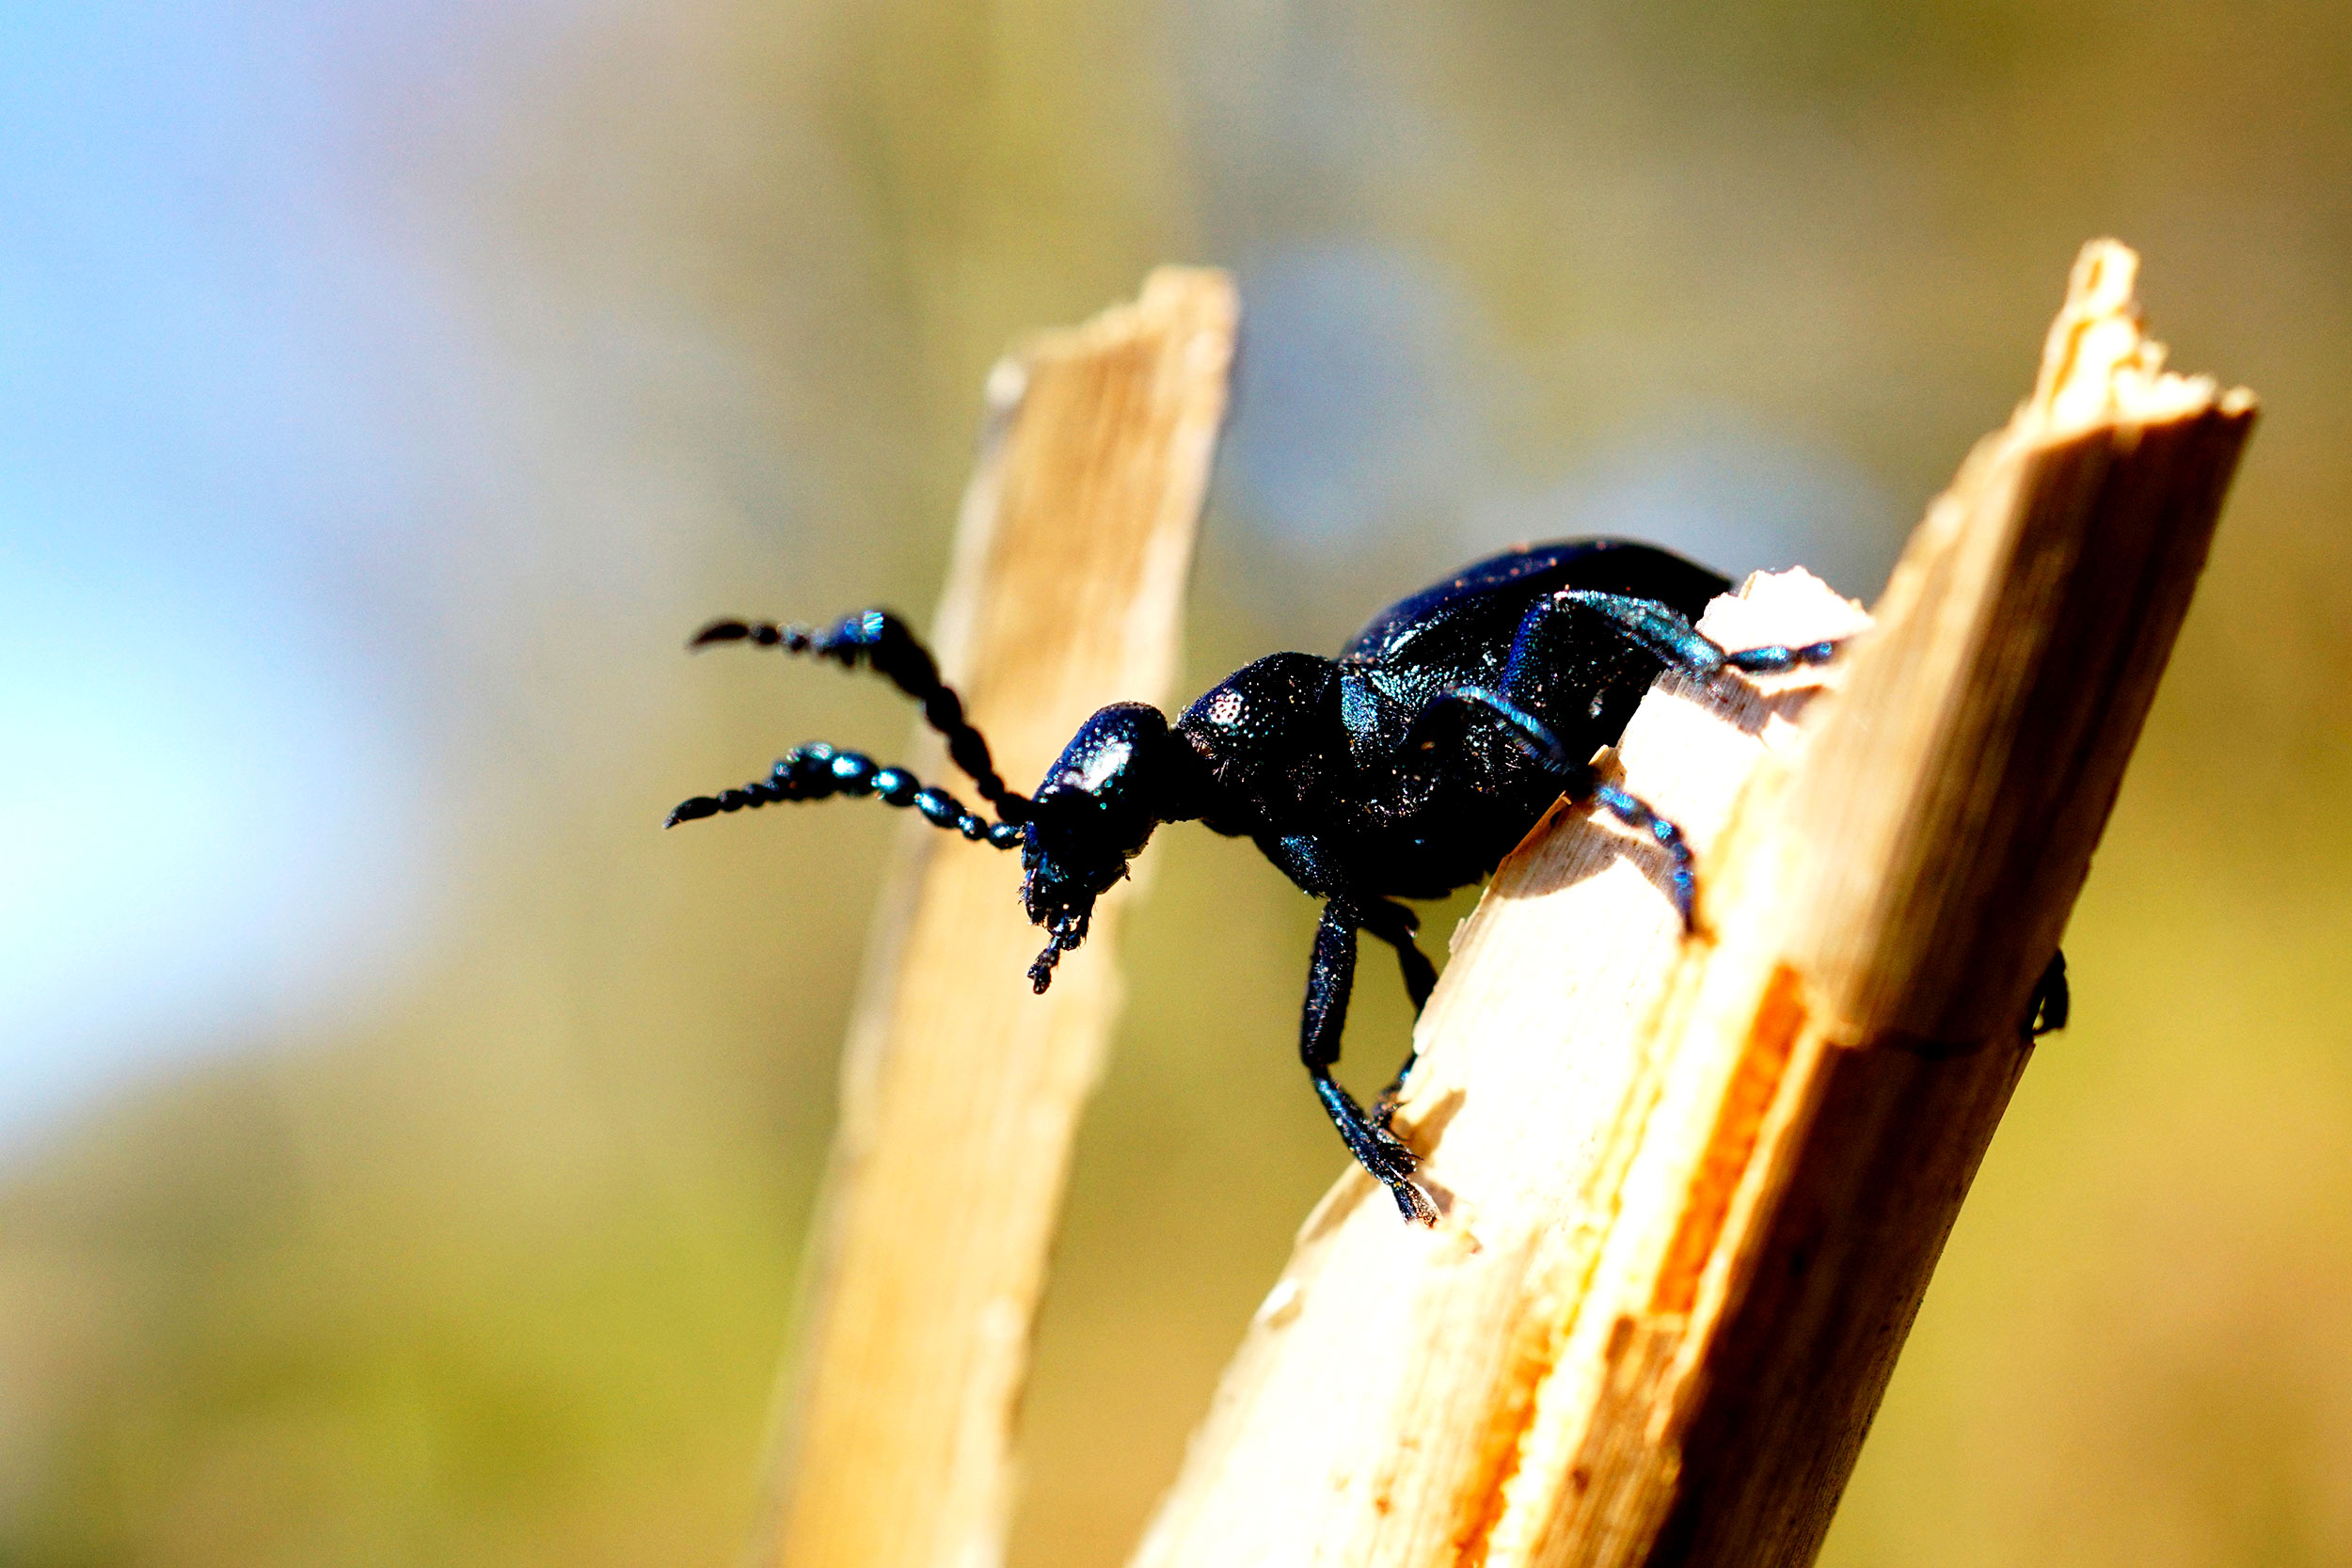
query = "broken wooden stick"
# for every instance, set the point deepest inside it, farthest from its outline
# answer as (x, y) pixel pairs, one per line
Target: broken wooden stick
(1694, 1187)
(961, 1090)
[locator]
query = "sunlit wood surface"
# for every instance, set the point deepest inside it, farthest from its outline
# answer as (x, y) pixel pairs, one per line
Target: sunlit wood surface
(1694, 1188)
(961, 1089)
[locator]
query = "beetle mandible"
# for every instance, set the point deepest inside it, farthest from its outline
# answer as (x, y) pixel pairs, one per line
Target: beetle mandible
(1406, 767)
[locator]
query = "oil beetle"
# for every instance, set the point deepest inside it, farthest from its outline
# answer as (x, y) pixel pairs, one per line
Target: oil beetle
(1404, 768)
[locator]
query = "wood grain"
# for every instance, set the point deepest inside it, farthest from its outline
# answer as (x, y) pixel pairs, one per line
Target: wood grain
(960, 1089)
(1695, 1187)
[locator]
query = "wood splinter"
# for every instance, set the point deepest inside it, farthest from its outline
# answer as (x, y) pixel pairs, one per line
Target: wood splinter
(1694, 1189)
(961, 1090)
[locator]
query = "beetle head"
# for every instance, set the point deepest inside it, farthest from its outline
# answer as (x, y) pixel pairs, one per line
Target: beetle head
(1094, 812)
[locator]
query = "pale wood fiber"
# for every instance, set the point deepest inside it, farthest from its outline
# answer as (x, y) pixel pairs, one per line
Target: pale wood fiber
(960, 1089)
(1694, 1188)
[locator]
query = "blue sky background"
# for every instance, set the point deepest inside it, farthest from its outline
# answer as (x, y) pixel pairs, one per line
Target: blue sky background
(210, 815)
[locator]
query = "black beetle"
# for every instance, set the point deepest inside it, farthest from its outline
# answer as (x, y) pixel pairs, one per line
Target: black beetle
(1404, 768)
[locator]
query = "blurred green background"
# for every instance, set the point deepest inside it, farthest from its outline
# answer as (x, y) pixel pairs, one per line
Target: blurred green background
(405, 1147)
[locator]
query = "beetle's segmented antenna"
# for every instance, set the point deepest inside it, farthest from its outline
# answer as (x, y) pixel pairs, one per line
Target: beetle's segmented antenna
(1068, 930)
(883, 642)
(817, 771)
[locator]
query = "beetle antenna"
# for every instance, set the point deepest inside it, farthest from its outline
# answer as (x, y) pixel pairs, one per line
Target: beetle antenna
(883, 642)
(817, 771)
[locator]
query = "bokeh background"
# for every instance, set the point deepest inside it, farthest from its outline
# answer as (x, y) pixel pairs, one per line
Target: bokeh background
(405, 1147)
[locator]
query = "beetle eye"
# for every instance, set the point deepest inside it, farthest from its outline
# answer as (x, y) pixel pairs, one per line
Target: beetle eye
(1224, 708)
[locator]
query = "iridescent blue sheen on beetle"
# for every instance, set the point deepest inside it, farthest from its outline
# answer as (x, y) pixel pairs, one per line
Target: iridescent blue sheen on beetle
(1404, 768)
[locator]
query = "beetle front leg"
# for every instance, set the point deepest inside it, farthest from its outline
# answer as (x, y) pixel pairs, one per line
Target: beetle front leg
(1331, 979)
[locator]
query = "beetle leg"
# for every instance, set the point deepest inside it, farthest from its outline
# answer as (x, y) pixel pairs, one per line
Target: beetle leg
(1330, 978)
(1661, 631)
(1304, 860)
(1578, 783)
(1636, 813)
(1394, 924)
(2046, 1011)
(1658, 630)
(1775, 658)
(1440, 722)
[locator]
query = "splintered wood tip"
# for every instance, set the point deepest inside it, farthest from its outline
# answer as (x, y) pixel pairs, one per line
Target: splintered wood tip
(2099, 367)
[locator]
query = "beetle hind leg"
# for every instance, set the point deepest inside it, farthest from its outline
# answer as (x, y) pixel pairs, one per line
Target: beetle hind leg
(1576, 780)
(1776, 658)
(2046, 1010)
(1666, 634)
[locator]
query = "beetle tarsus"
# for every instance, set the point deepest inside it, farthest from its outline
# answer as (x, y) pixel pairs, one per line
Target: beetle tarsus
(2052, 1001)
(1636, 814)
